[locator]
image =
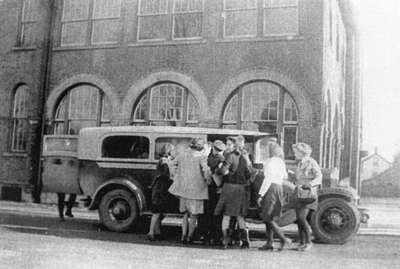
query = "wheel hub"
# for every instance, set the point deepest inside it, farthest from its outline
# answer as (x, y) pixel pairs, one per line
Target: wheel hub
(119, 210)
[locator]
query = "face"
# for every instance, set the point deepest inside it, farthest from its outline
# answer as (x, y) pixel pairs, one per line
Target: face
(230, 146)
(298, 155)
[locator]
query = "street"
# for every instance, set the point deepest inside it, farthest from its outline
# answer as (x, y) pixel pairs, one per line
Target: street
(35, 238)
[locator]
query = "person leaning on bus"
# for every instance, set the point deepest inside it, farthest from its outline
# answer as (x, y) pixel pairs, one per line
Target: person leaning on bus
(308, 175)
(234, 200)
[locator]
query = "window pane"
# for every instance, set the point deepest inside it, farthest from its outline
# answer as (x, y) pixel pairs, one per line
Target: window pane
(75, 10)
(240, 4)
(30, 10)
(278, 21)
(140, 111)
(289, 138)
(59, 128)
(84, 103)
(61, 109)
(231, 111)
(153, 7)
(106, 109)
(260, 102)
(106, 9)
(290, 109)
(166, 102)
(280, 3)
(74, 33)
(241, 23)
(179, 143)
(188, 5)
(19, 138)
(132, 147)
(153, 27)
(20, 102)
(28, 34)
(187, 25)
(193, 109)
(106, 31)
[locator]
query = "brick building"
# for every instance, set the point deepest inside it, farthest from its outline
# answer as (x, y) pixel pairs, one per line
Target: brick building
(289, 67)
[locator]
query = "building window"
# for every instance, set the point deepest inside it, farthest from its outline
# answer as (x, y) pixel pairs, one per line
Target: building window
(29, 18)
(82, 106)
(154, 19)
(187, 19)
(166, 104)
(266, 107)
(281, 17)
(240, 18)
(20, 120)
(90, 22)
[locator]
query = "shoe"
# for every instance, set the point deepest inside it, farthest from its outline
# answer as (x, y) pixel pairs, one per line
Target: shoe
(183, 240)
(150, 237)
(267, 246)
(189, 240)
(69, 214)
(306, 247)
(285, 244)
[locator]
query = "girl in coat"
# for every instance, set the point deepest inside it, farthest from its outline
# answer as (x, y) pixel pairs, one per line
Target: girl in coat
(271, 196)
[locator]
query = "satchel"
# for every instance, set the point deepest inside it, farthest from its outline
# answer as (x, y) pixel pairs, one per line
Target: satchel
(305, 195)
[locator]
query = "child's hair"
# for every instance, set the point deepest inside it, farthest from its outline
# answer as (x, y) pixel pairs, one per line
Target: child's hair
(166, 150)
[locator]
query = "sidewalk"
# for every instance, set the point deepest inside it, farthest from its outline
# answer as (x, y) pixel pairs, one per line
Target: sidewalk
(383, 220)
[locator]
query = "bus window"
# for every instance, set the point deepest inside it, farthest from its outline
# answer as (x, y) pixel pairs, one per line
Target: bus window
(126, 147)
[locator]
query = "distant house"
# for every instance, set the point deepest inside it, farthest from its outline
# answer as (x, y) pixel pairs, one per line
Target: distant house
(373, 165)
(386, 184)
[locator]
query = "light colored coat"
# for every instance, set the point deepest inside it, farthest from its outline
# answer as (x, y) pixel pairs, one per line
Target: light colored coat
(192, 174)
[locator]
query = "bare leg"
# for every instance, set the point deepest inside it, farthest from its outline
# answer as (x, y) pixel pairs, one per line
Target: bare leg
(304, 227)
(225, 226)
(192, 226)
(157, 228)
(270, 238)
(184, 226)
(284, 240)
(153, 224)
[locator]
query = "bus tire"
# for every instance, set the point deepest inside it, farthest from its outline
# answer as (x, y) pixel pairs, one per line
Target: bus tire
(118, 210)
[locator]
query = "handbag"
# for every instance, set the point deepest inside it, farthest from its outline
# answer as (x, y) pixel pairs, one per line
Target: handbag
(305, 195)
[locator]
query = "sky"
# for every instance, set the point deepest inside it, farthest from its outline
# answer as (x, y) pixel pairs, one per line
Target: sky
(379, 25)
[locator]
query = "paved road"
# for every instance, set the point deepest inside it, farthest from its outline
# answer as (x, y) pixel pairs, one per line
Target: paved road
(30, 240)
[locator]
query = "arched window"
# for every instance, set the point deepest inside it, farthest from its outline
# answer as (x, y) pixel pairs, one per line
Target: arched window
(166, 103)
(82, 106)
(20, 120)
(264, 106)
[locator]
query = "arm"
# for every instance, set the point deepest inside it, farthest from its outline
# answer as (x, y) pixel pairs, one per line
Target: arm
(316, 170)
(267, 180)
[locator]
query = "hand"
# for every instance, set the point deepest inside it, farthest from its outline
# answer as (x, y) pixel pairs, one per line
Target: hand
(306, 186)
(259, 199)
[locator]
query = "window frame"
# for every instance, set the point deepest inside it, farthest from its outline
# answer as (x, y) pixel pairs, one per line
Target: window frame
(16, 119)
(66, 97)
(22, 23)
(90, 26)
(224, 12)
(281, 6)
(147, 93)
(173, 14)
(280, 122)
(139, 16)
(150, 157)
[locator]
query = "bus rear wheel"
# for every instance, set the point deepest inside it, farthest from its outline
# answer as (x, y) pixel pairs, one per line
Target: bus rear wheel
(118, 210)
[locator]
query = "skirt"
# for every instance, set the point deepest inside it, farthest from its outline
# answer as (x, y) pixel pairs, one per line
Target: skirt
(160, 197)
(192, 206)
(234, 201)
(271, 203)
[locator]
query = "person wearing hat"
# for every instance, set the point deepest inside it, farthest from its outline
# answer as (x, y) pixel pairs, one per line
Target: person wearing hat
(190, 185)
(233, 201)
(308, 175)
